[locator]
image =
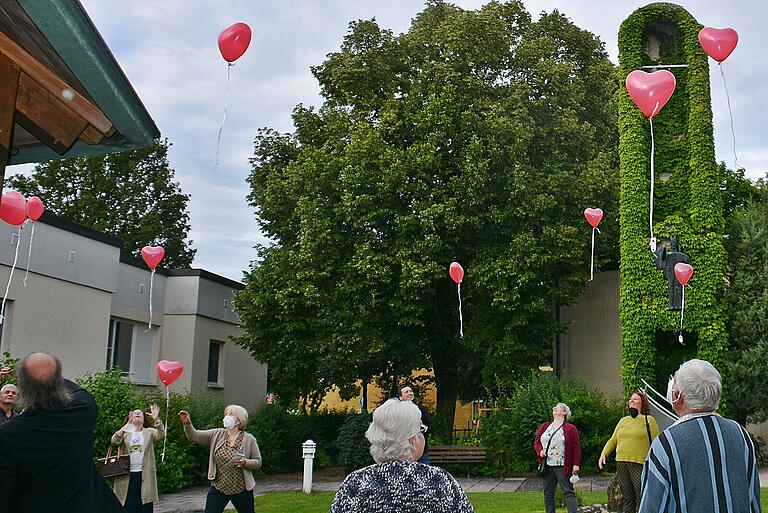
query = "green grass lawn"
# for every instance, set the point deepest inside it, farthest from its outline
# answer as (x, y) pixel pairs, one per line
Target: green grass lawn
(512, 502)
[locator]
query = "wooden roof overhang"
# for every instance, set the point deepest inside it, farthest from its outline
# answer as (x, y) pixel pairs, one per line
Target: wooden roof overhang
(62, 94)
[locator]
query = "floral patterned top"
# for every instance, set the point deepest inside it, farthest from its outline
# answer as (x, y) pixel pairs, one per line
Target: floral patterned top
(400, 487)
(556, 453)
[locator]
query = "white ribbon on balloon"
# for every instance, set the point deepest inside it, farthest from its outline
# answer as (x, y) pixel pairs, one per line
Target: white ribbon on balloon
(224, 119)
(29, 255)
(151, 283)
(167, 407)
(652, 242)
(730, 114)
(461, 319)
(682, 311)
(592, 259)
(10, 277)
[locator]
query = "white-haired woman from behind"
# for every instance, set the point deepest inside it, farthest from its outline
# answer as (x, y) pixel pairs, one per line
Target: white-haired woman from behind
(397, 482)
(557, 445)
(233, 455)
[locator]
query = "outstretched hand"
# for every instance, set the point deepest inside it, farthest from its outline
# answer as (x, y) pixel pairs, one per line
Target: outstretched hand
(154, 412)
(184, 416)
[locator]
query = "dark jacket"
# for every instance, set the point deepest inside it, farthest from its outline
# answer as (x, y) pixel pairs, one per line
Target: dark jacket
(572, 454)
(46, 461)
(426, 419)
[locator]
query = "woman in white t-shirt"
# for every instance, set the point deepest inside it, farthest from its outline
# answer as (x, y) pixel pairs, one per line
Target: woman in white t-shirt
(138, 490)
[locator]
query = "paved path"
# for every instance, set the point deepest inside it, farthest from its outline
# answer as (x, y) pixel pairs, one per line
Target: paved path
(192, 500)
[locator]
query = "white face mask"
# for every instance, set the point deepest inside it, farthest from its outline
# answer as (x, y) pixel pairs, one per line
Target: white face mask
(671, 392)
(229, 421)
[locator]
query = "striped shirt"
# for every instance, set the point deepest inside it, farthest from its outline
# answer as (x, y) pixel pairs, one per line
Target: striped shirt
(705, 464)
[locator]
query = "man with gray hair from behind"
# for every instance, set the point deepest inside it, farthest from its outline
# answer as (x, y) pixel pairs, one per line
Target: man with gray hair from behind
(703, 462)
(398, 482)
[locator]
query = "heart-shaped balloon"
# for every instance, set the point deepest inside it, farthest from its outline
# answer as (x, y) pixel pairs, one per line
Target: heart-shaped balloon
(35, 208)
(234, 41)
(13, 208)
(683, 272)
(593, 216)
(718, 43)
(650, 91)
(152, 255)
(456, 272)
(169, 371)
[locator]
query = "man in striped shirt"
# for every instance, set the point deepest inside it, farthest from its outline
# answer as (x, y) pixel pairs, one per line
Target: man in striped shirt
(703, 462)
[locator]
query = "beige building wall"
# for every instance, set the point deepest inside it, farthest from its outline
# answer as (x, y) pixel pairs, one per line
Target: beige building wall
(591, 348)
(65, 319)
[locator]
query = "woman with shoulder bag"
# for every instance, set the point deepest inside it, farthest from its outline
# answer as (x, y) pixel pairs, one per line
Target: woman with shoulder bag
(138, 490)
(632, 439)
(233, 454)
(557, 447)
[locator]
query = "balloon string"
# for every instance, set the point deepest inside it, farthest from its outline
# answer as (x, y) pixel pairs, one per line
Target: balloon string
(224, 119)
(592, 260)
(10, 277)
(151, 283)
(167, 407)
(682, 311)
(461, 319)
(652, 242)
(730, 114)
(29, 255)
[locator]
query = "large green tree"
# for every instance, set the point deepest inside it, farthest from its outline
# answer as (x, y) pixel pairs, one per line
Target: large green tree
(477, 136)
(131, 195)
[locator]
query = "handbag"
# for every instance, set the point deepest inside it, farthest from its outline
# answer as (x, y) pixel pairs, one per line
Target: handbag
(111, 466)
(543, 464)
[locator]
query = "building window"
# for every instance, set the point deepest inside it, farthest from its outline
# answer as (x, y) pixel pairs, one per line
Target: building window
(131, 349)
(215, 353)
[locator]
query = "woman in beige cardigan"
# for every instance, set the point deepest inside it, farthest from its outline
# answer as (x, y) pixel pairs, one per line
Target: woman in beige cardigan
(233, 455)
(138, 491)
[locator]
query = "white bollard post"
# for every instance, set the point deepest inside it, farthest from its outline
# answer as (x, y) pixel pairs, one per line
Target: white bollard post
(308, 449)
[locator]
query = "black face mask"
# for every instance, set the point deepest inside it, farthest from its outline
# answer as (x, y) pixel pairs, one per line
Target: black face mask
(633, 412)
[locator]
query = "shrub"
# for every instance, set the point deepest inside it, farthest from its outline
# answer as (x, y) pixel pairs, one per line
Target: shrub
(279, 436)
(7, 361)
(508, 433)
(354, 449)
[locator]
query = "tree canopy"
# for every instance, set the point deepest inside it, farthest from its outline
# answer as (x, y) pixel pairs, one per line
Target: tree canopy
(131, 195)
(477, 137)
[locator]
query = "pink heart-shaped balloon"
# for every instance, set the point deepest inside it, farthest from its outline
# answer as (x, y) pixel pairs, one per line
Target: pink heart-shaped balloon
(13, 208)
(593, 216)
(718, 43)
(152, 255)
(169, 371)
(35, 208)
(234, 41)
(683, 272)
(456, 272)
(650, 91)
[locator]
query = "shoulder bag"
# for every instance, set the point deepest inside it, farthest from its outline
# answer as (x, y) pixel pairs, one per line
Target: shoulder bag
(111, 466)
(543, 464)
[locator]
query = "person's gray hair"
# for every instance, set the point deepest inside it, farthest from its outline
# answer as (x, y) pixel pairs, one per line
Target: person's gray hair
(566, 409)
(9, 385)
(394, 423)
(41, 394)
(240, 413)
(700, 383)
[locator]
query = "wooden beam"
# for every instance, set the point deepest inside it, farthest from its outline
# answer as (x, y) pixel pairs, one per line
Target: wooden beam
(9, 86)
(54, 84)
(46, 116)
(91, 136)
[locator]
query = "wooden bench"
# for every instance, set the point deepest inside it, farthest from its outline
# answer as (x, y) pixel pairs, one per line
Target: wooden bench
(456, 454)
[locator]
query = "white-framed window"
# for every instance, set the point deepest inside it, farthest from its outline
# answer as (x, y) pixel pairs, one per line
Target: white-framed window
(215, 363)
(131, 348)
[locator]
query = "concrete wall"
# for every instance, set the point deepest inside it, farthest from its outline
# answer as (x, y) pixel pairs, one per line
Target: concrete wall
(591, 348)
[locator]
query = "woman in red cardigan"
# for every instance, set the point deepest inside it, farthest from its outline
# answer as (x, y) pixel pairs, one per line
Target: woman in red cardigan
(557, 444)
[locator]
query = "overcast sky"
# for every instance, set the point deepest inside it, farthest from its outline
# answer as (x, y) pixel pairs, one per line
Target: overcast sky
(169, 52)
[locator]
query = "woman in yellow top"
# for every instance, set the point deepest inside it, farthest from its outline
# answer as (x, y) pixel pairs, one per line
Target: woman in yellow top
(632, 439)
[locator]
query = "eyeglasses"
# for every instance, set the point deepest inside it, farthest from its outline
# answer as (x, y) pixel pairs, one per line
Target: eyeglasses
(423, 428)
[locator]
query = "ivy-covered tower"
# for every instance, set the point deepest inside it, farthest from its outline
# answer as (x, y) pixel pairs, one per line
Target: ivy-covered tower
(688, 203)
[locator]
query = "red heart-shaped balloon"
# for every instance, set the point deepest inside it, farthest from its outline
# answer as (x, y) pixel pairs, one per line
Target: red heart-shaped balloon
(152, 255)
(169, 371)
(234, 41)
(456, 272)
(593, 216)
(718, 43)
(35, 208)
(13, 208)
(650, 91)
(683, 272)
